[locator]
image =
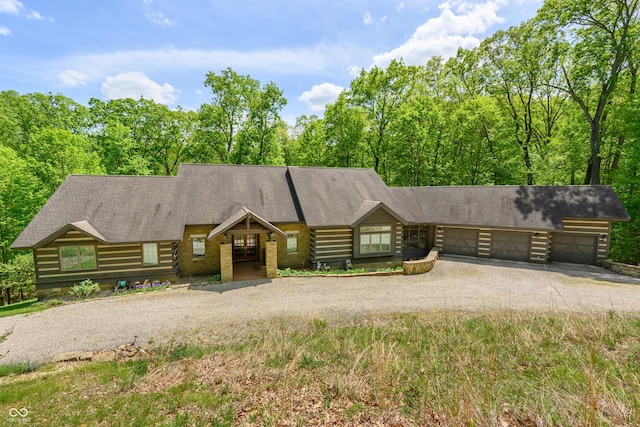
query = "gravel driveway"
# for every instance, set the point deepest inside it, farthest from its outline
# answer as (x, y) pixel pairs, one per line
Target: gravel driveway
(223, 310)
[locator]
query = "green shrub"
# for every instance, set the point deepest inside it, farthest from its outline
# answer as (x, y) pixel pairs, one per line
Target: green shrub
(84, 289)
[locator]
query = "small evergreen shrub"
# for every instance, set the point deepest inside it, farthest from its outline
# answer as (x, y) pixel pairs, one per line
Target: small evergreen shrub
(84, 289)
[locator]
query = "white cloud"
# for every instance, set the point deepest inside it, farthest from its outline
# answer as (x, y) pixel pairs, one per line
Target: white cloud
(456, 27)
(400, 7)
(35, 15)
(158, 18)
(279, 61)
(366, 19)
(73, 78)
(4, 31)
(12, 7)
(135, 84)
(321, 95)
(354, 70)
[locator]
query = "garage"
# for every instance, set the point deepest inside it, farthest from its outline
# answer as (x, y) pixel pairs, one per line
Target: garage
(512, 245)
(460, 241)
(574, 248)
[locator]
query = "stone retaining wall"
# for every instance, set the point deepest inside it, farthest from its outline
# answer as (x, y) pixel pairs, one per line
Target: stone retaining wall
(421, 265)
(626, 269)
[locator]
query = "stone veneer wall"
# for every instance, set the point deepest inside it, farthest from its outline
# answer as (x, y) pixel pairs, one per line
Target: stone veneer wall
(207, 265)
(300, 258)
(226, 262)
(626, 269)
(271, 261)
(421, 265)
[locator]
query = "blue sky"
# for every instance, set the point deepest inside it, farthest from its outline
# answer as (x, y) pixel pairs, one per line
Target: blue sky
(162, 49)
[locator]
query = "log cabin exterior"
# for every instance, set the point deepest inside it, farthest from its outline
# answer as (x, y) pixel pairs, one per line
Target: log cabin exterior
(209, 217)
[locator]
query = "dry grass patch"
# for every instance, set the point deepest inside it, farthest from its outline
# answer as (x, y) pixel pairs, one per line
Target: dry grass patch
(444, 368)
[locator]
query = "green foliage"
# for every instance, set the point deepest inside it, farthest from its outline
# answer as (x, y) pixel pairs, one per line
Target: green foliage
(30, 308)
(549, 102)
(20, 198)
(84, 289)
(17, 278)
(18, 368)
(241, 124)
(334, 271)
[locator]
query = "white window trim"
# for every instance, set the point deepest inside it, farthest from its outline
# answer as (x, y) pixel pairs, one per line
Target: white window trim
(380, 232)
(157, 258)
(292, 234)
(204, 238)
(77, 248)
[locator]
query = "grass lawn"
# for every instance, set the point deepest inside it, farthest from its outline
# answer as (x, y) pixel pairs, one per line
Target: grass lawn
(443, 368)
(29, 306)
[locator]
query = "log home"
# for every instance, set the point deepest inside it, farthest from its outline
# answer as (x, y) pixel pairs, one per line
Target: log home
(209, 218)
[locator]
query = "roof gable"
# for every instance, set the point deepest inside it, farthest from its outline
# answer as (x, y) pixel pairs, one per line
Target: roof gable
(242, 215)
(82, 226)
(335, 196)
(368, 207)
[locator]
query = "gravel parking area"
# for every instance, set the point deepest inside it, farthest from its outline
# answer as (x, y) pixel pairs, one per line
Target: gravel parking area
(222, 311)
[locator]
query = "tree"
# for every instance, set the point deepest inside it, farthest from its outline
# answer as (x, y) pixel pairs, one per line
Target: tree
(596, 36)
(344, 127)
(515, 66)
(223, 117)
(17, 276)
(380, 93)
(57, 153)
(311, 142)
(141, 137)
(258, 142)
(20, 198)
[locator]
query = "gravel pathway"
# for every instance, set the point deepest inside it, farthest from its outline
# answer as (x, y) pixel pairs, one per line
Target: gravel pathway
(225, 310)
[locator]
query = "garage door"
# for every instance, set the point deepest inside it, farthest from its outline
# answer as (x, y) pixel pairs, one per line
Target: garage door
(511, 245)
(460, 241)
(576, 248)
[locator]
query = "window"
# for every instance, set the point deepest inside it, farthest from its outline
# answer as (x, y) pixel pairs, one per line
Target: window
(292, 243)
(375, 239)
(414, 237)
(78, 258)
(198, 246)
(150, 253)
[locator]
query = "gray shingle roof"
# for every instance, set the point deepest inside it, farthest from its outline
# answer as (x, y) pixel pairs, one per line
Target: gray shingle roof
(532, 207)
(333, 196)
(118, 208)
(212, 193)
(125, 209)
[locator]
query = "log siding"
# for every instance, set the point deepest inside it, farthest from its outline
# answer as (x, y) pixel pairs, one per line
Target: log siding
(540, 247)
(112, 262)
(333, 244)
(484, 243)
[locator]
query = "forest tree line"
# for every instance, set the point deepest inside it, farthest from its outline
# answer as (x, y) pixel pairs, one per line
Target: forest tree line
(552, 101)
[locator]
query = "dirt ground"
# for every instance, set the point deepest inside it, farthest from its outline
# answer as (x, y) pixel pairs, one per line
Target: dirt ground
(223, 311)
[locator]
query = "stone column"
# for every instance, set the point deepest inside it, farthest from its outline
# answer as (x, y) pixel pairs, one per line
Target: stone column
(226, 262)
(272, 259)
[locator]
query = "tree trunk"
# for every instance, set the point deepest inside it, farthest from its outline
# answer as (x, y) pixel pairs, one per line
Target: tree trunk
(595, 153)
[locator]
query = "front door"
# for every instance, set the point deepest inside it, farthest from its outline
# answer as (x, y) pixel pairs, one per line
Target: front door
(245, 247)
